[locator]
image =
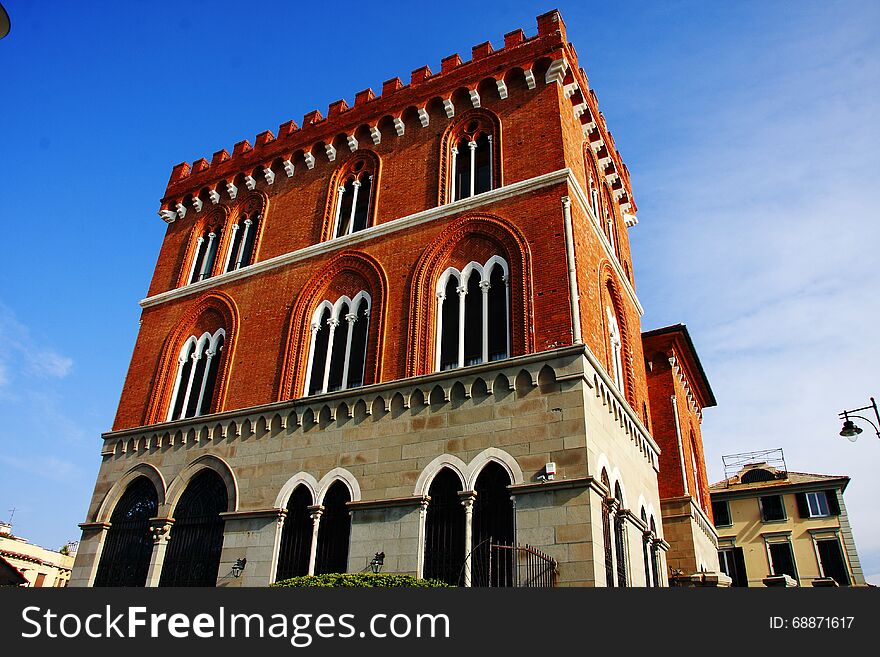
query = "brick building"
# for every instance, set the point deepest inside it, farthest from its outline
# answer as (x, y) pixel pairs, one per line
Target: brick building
(408, 327)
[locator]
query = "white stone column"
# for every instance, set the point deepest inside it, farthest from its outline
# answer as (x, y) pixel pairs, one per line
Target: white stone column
(351, 318)
(161, 530)
(314, 330)
(189, 384)
(180, 363)
(484, 287)
(336, 214)
(316, 512)
(209, 355)
(235, 228)
(467, 500)
(354, 199)
(332, 323)
(203, 273)
(453, 173)
(491, 164)
(441, 297)
(241, 247)
(192, 269)
(462, 294)
(420, 557)
(473, 146)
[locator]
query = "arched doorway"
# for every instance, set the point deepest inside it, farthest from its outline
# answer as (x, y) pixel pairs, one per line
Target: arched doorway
(125, 558)
(444, 530)
(296, 536)
(334, 532)
(196, 539)
(493, 528)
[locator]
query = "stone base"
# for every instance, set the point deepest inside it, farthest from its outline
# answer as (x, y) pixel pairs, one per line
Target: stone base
(701, 579)
(779, 580)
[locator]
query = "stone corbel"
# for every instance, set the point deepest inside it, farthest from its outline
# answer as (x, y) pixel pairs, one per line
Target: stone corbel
(375, 135)
(310, 160)
(423, 117)
(197, 203)
(181, 210)
(530, 78)
(502, 89)
(232, 190)
(399, 127)
(352, 143)
(288, 168)
(475, 97)
(449, 107)
(250, 183)
(214, 195)
(331, 152)
(556, 72)
(269, 175)
(168, 216)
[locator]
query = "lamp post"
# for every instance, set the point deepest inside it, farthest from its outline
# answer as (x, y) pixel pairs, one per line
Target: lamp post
(377, 562)
(850, 431)
(238, 567)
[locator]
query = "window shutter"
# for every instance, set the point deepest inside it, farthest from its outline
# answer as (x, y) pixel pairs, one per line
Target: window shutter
(803, 508)
(833, 504)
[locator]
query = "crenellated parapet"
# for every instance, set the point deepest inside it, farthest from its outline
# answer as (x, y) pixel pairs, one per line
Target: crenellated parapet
(545, 58)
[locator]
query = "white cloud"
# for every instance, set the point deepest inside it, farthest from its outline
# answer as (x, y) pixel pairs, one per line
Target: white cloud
(759, 231)
(22, 357)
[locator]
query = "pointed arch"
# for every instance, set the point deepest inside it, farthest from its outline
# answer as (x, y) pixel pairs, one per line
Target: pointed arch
(210, 462)
(341, 475)
(509, 244)
(210, 312)
(353, 195)
(482, 128)
(108, 504)
(612, 301)
(348, 272)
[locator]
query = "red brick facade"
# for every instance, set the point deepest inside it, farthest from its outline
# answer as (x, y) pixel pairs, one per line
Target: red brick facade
(524, 94)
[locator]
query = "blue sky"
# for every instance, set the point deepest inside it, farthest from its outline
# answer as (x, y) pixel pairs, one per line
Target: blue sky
(749, 128)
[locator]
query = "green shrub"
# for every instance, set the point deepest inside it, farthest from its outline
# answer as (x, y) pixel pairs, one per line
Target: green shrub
(359, 580)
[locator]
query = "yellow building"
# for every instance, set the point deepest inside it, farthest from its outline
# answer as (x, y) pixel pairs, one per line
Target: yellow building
(39, 566)
(781, 528)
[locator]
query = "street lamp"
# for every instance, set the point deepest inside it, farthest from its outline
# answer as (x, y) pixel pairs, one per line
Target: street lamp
(850, 431)
(238, 567)
(377, 562)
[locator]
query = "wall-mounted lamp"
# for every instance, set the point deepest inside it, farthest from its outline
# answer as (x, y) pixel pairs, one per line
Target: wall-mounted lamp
(377, 562)
(850, 431)
(238, 567)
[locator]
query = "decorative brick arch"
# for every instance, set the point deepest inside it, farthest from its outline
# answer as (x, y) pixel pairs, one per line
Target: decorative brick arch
(255, 202)
(313, 292)
(373, 164)
(216, 218)
(213, 308)
(487, 121)
(609, 291)
(511, 244)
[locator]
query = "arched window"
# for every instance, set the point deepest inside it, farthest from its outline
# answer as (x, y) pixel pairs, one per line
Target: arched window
(444, 530)
(607, 504)
(473, 315)
(655, 557)
(698, 487)
(296, 536)
(207, 247)
(337, 353)
(353, 207)
(334, 531)
(125, 559)
(615, 343)
(244, 237)
(593, 183)
(197, 369)
(493, 526)
(472, 154)
(647, 539)
(196, 538)
(620, 539)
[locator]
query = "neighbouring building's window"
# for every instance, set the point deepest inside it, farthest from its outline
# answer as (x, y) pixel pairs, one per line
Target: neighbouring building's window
(831, 560)
(733, 565)
(721, 514)
(782, 559)
(772, 508)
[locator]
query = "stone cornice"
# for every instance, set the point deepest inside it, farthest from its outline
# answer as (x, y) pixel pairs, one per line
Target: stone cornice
(476, 202)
